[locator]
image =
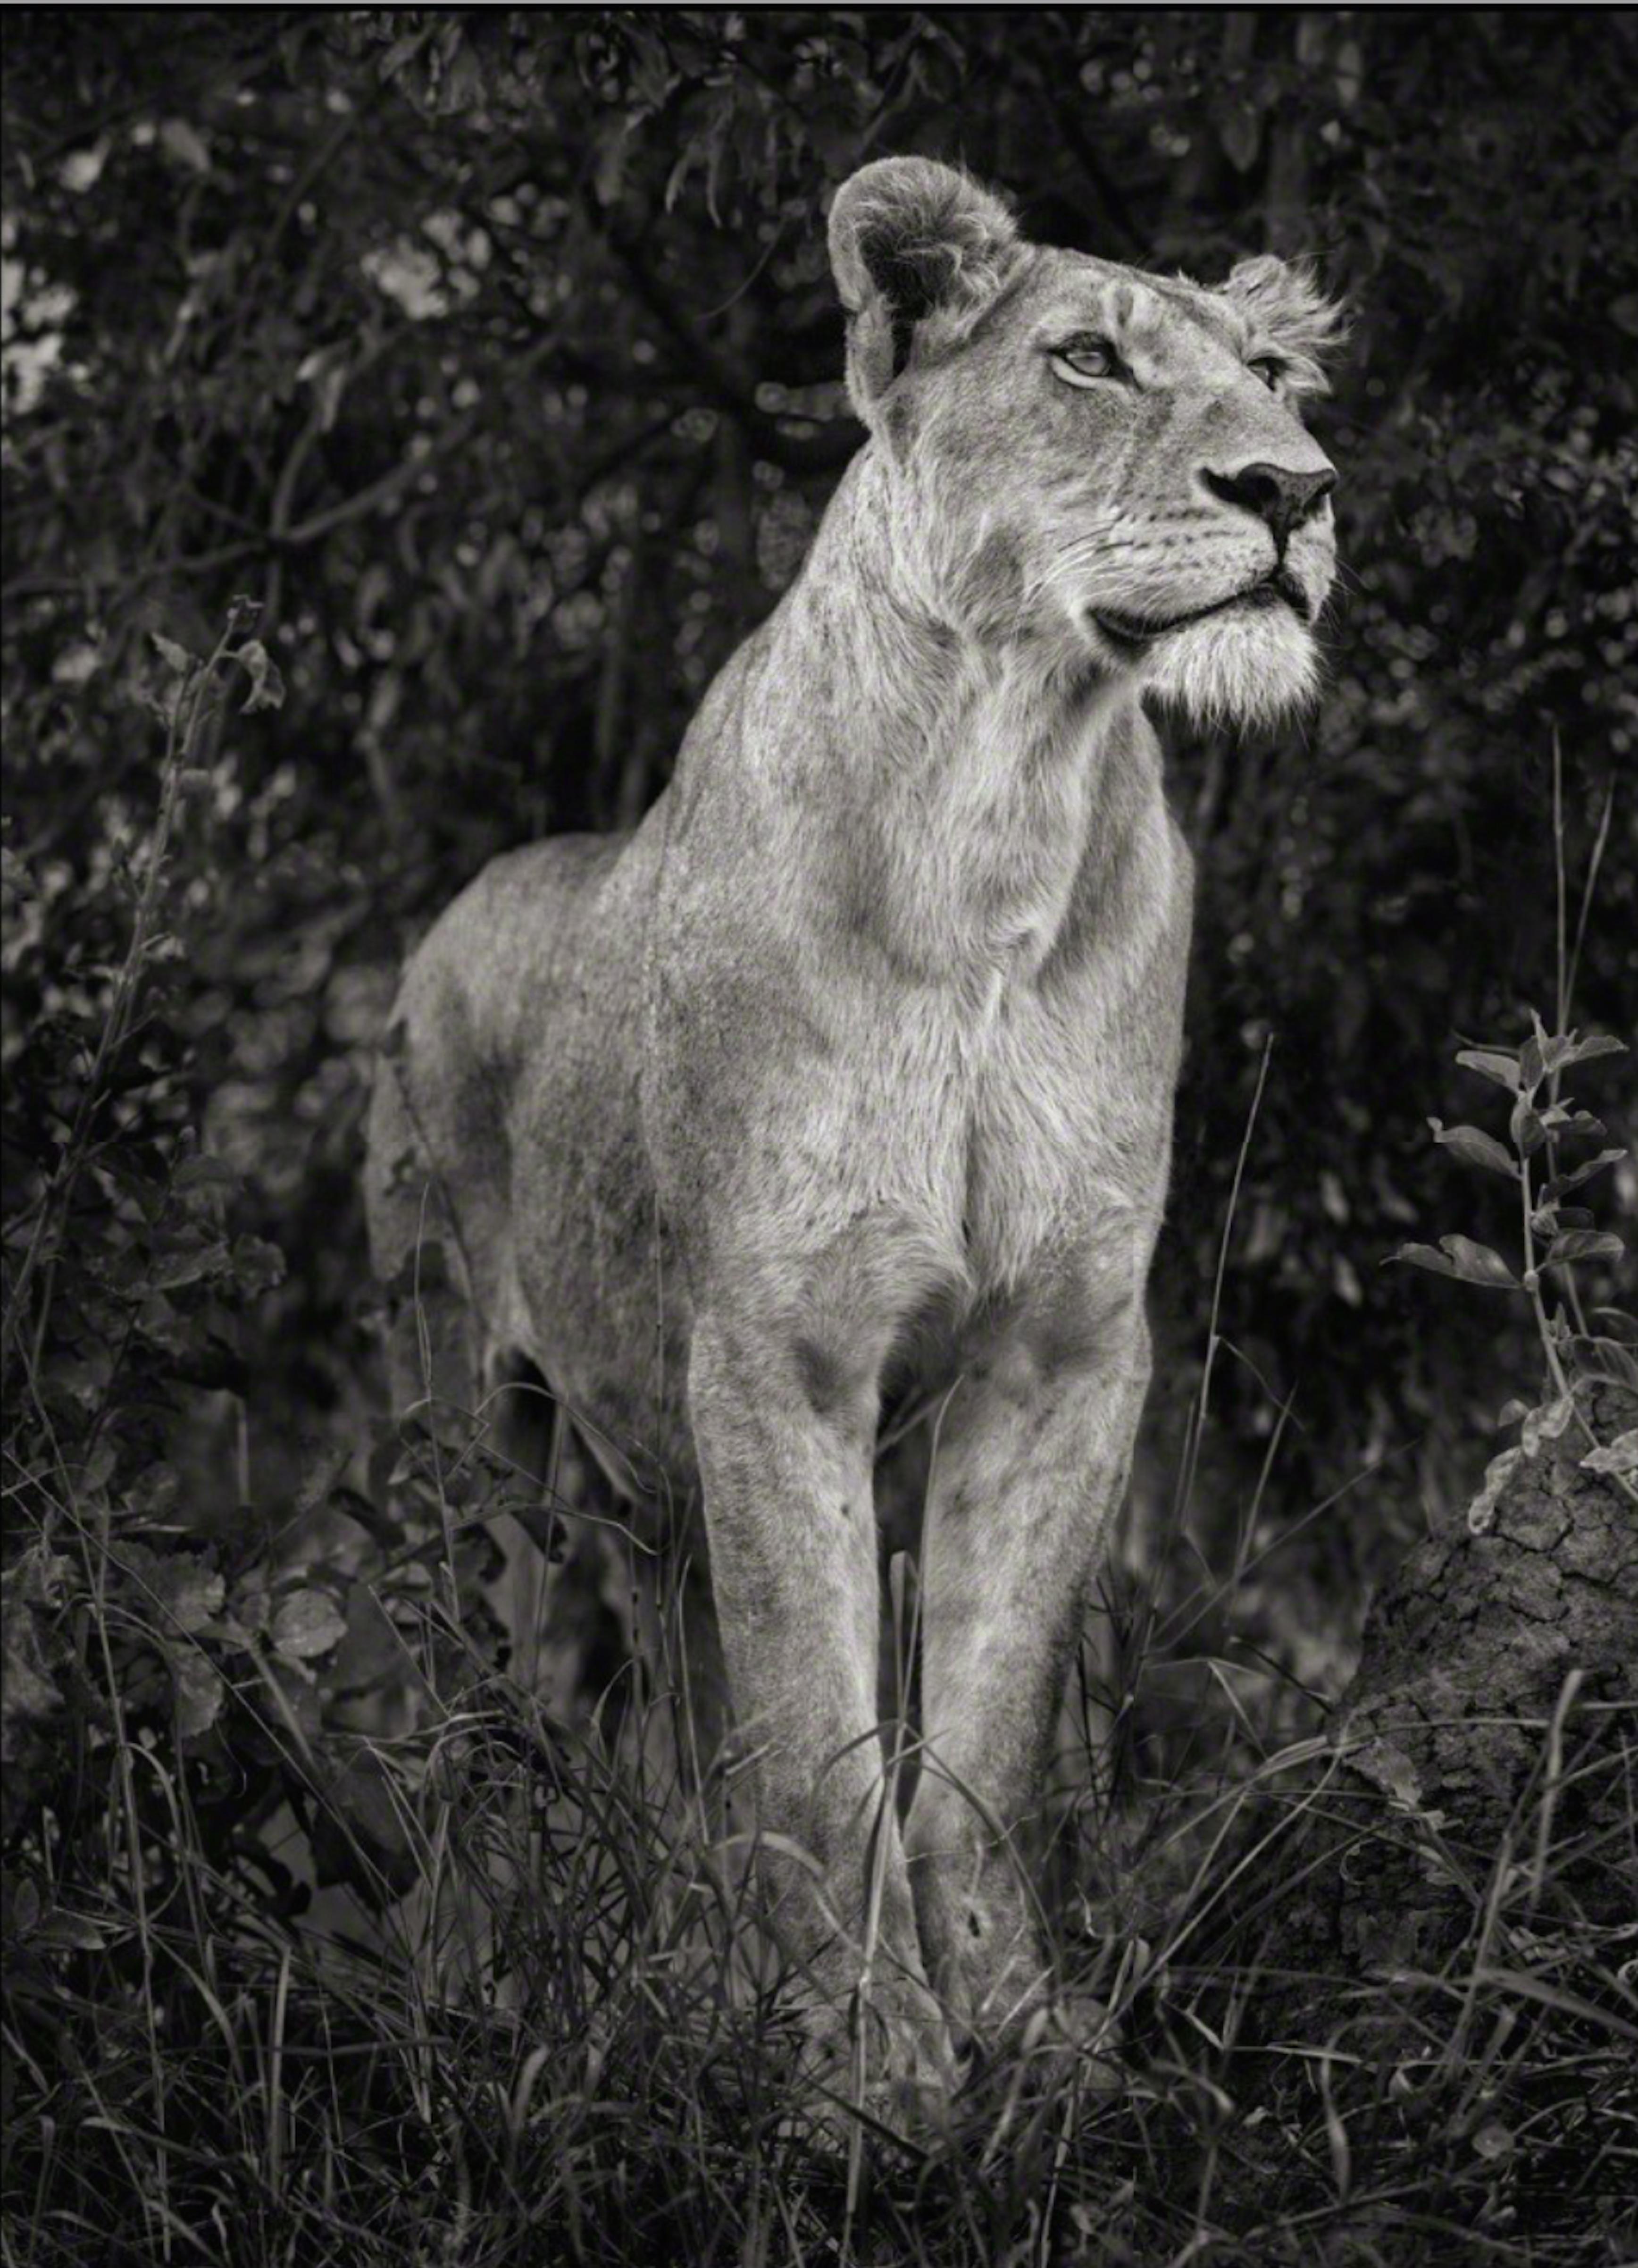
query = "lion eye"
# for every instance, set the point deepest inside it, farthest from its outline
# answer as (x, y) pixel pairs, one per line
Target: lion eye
(1080, 360)
(1269, 368)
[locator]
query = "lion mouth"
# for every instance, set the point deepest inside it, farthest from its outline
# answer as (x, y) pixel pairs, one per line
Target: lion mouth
(1280, 587)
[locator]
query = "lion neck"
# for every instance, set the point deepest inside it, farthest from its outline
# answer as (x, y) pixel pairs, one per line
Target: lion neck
(982, 794)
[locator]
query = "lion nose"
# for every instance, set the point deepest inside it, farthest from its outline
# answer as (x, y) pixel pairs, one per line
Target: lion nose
(1281, 499)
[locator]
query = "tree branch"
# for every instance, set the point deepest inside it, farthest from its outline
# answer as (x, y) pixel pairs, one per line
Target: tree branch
(724, 386)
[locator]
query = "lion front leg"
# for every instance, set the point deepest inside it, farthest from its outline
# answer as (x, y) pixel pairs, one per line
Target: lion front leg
(790, 1519)
(1032, 1457)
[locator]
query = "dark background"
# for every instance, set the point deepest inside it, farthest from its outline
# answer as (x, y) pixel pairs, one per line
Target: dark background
(495, 353)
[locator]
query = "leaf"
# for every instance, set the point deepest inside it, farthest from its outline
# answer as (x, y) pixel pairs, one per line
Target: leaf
(205, 1173)
(1527, 1130)
(1477, 1264)
(180, 140)
(189, 1264)
(373, 1653)
(1241, 136)
(76, 663)
(257, 1266)
(1547, 1423)
(199, 1692)
(175, 658)
(1619, 1456)
(1501, 1070)
(191, 1593)
(1498, 1472)
(174, 1591)
(1422, 1256)
(63, 1931)
(1562, 1184)
(1584, 1244)
(28, 1695)
(1606, 1358)
(1602, 1043)
(21, 1905)
(253, 1602)
(1555, 1051)
(1461, 1258)
(1474, 1147)
(267, 686)
(306, 1625)
(402, 53)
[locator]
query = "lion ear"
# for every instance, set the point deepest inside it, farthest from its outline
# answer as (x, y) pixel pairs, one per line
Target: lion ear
(911, 241)
(1285, 299)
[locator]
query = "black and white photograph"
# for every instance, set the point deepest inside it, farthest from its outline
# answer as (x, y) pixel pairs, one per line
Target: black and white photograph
(819, 1334)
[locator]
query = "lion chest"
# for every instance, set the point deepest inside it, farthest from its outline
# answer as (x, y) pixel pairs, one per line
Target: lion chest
(916, 1072)
(998, 1125)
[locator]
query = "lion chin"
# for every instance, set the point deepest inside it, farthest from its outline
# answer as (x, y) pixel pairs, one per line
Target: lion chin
(1247, 669)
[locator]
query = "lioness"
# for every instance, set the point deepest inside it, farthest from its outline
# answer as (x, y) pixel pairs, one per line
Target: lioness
(855, 1061)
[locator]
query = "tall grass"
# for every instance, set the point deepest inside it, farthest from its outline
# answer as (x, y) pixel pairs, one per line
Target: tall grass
(542, 2023)
(564, 2041)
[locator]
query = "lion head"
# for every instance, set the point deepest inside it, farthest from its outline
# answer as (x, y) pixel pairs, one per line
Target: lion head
(1111, 461)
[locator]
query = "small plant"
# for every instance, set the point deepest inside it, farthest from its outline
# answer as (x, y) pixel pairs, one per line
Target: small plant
(1581, 1347)
(1556, 1237)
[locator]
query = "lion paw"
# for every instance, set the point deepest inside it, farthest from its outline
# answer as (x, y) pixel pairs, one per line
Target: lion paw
(888, 2057)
